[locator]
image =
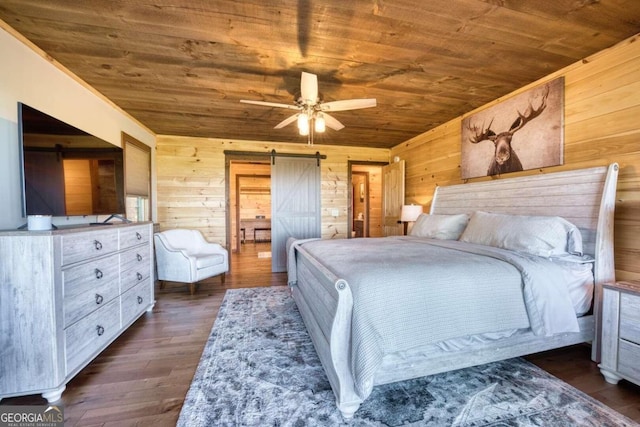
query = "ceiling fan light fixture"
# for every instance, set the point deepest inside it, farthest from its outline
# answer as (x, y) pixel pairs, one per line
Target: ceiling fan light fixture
(312, 111)
(303, 124)
(319, 124)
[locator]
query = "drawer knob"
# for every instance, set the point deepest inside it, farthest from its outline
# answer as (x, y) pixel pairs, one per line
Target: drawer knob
(97, 245)
(99, 299)
(139, 276)
(138, 236)
(99, 274)
(100, 330)
(140, 300)
(139, 257)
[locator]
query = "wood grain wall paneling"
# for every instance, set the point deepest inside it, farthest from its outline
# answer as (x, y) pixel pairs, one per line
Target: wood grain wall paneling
(191, 183)
(602, 107)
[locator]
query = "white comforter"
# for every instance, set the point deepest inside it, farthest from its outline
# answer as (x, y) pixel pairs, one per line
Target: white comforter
(409, 292)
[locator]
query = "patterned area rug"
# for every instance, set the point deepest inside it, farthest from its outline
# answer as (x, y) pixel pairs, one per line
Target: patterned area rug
(259, 368)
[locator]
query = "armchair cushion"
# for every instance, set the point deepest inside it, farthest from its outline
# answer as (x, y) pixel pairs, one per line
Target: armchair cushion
(206, 260)
(184, 255)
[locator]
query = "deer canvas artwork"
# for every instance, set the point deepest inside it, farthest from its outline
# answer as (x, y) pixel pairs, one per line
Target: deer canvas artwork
(520, 133)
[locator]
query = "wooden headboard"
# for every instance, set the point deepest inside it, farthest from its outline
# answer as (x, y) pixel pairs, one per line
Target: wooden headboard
(586, 197)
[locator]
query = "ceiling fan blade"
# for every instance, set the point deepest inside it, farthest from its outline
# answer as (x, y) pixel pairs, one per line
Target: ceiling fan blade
(286, 121)
(270, 104)
(309, 88)
(348, 104)
(332, 122)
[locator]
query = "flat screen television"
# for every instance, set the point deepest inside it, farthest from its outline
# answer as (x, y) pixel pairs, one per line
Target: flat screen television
(66, 171)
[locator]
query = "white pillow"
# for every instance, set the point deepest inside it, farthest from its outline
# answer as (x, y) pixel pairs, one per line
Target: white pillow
(443, 227)
(545, 236)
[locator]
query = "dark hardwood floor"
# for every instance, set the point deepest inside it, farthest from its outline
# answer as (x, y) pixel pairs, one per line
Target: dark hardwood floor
(143, 377)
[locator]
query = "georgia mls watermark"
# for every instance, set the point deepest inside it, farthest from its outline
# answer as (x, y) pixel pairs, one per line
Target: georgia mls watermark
(31, 416)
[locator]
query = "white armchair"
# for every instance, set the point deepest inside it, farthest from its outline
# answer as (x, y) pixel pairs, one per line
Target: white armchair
(185, 256)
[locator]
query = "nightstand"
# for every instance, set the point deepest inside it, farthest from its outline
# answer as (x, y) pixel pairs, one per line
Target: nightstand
(621, 332)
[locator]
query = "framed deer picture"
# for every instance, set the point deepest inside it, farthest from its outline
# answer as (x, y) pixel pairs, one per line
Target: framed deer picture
(523, 132)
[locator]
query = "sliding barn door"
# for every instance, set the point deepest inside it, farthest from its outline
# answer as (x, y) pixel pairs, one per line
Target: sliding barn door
(392, 198)
(295, 204)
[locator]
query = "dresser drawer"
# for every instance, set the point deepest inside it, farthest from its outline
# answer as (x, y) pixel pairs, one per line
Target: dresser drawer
(629, 360)
(135, 301)
(135, 267)
(630, 317)
(132, 236)
(85, 338)
(89, 286)
(82, 246)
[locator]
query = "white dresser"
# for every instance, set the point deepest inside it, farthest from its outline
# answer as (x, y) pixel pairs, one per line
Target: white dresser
(65, 295)
(621, 332)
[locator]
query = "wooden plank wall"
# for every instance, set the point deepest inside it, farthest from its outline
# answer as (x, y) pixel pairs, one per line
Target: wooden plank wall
(602, 125)
(191, 181)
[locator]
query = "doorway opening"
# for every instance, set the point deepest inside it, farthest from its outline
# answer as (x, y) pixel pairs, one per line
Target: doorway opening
(365, 204)
(250, 214)
(293, 208)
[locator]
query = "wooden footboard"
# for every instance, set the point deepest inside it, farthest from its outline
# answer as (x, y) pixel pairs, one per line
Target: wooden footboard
(325, 303)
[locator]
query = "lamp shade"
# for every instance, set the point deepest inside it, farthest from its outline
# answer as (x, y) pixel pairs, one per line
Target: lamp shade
(410, 213)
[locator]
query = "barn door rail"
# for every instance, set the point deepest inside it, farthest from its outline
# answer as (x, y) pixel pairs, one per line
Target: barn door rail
(273, 154)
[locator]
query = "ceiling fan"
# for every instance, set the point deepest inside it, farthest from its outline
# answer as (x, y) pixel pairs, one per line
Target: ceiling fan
(312, 112)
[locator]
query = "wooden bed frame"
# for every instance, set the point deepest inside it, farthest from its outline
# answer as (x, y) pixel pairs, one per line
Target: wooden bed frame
(586, 197)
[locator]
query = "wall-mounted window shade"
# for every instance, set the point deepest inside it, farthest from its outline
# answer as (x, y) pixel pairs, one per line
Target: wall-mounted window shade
(138, 171)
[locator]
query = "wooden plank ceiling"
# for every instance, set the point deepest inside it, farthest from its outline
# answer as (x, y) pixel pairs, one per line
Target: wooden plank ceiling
(180, 67)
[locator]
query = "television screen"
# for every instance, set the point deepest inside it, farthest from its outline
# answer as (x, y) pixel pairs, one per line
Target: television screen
(66, 171)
